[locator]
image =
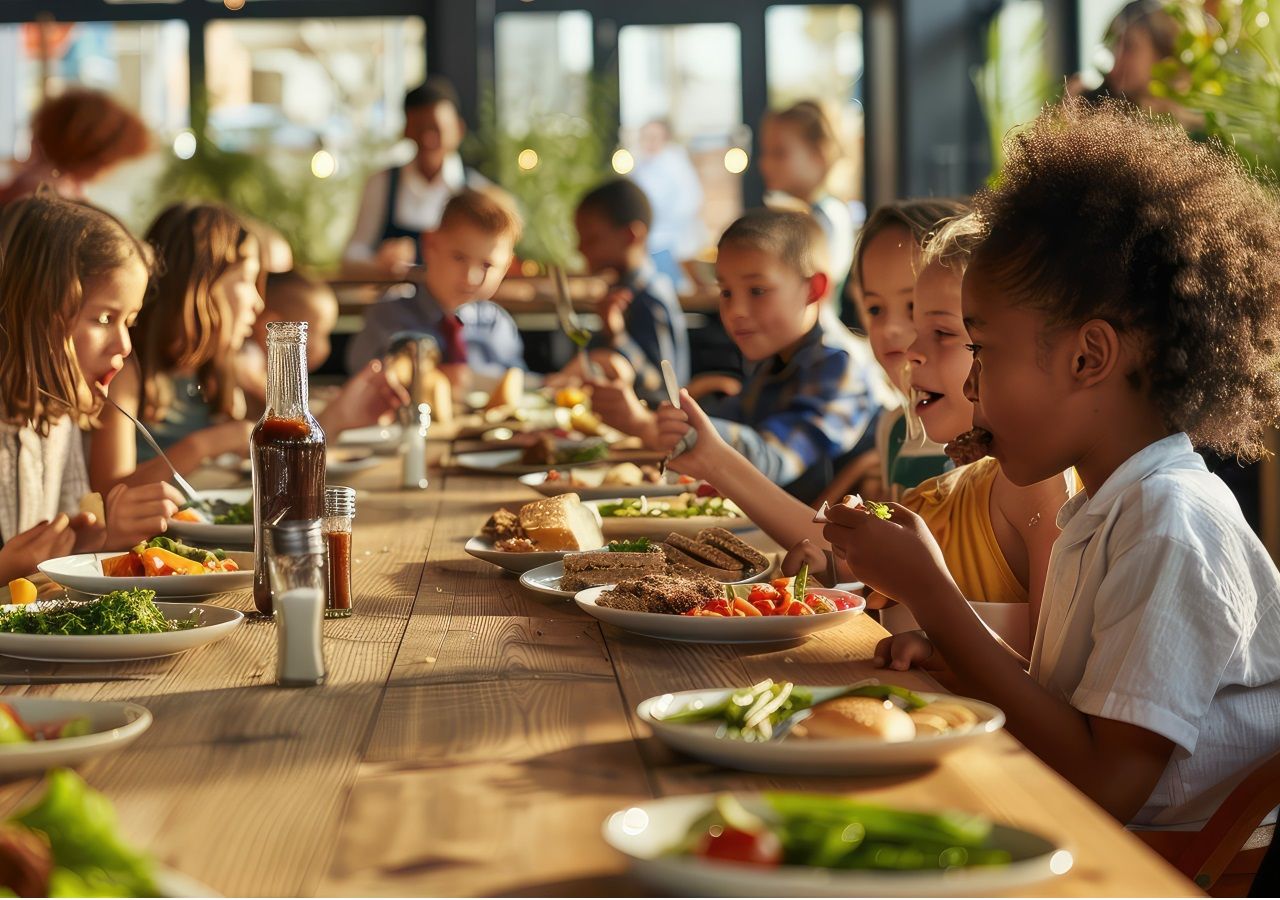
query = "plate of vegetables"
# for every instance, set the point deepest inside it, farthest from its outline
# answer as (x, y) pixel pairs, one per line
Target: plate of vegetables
(698, 610)
(163, 565)
(123, 625)
(783, 728)
(225, 519)
(816, 845)
(687, 513)
(37, 733)
(68, 844)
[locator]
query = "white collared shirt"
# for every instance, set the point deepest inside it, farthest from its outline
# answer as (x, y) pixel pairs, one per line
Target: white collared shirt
(419, 204)
(1162, 609)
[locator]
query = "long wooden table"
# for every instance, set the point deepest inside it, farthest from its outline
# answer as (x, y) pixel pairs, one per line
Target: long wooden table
(472, 737)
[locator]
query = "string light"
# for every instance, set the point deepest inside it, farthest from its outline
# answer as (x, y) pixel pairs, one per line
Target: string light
(184, 145)
(735, 160)
(623, 161)
(528, 159)
(323, 164)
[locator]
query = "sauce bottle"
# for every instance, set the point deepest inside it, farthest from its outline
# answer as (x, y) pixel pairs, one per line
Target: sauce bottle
(339, 511)
(287, 449)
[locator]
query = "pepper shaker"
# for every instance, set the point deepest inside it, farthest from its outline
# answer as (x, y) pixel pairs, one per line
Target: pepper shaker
(297, 564)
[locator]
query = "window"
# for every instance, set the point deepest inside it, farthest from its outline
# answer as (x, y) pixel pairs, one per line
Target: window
(689, 79)
(543, 65)
(815, 53)
(1095, 57)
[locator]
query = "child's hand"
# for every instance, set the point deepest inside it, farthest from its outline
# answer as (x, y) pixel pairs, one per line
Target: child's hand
(707, 453)
(369, 395)
(807, 552)
(897, 556)
(397, 255)
(617, 405)
(48, 540)
(225, 437)
(612, 310)
(136, 514)
(902, 651)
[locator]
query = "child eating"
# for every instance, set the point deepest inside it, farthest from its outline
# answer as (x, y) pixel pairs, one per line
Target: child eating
(1124, 301)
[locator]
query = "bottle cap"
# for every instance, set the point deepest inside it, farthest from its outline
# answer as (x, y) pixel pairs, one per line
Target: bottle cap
(339, 502)
(300, 537)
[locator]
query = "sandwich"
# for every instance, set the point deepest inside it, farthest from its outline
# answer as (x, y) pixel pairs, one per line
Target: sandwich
(584, 570)
(857, 717)
(561, 523)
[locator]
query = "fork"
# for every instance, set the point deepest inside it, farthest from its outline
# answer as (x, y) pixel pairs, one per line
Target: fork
(193, 496)
(571, 324)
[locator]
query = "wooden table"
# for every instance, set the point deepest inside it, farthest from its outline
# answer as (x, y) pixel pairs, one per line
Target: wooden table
(472, 737)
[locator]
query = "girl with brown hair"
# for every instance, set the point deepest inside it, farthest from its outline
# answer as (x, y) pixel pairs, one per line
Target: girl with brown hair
(72, 279)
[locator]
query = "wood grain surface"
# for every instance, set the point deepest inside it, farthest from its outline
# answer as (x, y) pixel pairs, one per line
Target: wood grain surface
(472, 736)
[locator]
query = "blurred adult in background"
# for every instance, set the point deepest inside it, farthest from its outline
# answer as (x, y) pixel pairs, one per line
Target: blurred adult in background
(666, 174)
(400, 204)
(1140, 36)
(75, 137)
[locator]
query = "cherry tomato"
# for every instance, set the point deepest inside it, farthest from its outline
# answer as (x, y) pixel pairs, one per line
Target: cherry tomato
(731, 845)
(780, 583)
(763, 592)
(766, 607)
(706, 490)
(799, 609)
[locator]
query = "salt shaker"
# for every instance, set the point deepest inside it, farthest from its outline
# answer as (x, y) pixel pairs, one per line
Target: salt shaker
(297, 563)
(415, 446)
(339, 511)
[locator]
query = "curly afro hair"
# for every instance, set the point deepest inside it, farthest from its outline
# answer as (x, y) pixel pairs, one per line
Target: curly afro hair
(1104, 212)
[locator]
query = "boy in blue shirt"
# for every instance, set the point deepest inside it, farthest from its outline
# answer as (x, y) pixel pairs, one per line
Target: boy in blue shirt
(641, 318)
(465, 261)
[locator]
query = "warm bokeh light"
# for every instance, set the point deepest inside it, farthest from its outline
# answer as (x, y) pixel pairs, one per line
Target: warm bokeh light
(623, 161)
(184, 145)
(528, 159)
(735, 160)
(323, 164)
(233, 5)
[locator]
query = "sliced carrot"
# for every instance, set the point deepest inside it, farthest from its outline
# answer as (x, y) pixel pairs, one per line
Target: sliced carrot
(744, 607)
(157, 560)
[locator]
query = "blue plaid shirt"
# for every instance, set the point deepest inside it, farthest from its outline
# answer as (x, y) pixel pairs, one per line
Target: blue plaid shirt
(655, 331)
(806, 411)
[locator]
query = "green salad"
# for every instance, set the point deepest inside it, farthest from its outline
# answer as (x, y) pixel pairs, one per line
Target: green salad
(68, 845)
(837, 833)
(686, 506)
(132, 611)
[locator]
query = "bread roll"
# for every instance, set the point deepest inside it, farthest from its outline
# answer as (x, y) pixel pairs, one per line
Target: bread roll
(562, 523)
(857, 717)
(509, 390)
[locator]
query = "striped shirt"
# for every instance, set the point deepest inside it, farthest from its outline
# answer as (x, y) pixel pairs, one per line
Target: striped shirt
(805, 411)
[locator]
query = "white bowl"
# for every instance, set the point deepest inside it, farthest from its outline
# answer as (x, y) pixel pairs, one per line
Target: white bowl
(645, 832)
(516, 563)
(112, 727)
(546, 579)
(206, 534)
(846, 756)
(720, 630)
(658, 527)
(668, 488)
(83, 572)
(215, 623)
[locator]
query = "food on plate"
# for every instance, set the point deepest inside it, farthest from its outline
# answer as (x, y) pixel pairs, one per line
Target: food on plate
(552, 451)
(868, 709)
(217, 512)
(879, 510)
(68, 845)
(120, 612)
(685, 506)
(622, 475)
(570, 397)
(509, 390)
(16, 730)
(92, 503)
(165, 556)
(617, 562)
(973, 445)
(715, 552)
(551, 524)
(671, 594)
(829, 832)
(22, 591)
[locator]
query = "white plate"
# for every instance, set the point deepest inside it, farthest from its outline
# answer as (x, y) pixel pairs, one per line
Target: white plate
(341, 463)
(210, 535)
(546, 579)
(645, 832)
(717, 630)
(516, 563)
(216, 622)
(669, 488)
(83, 572)
(507, 462)
(658, 527)
(851, 756)
(112, 727)
(379, 438)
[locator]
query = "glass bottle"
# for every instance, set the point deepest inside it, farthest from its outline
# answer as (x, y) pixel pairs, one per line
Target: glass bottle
(296, 560)
(415, 446)
(339, 511)
(287, 449)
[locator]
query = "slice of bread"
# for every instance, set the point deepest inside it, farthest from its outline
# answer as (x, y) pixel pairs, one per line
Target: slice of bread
(703, 552)
(726, 542)
(561, 523)
(681, 562)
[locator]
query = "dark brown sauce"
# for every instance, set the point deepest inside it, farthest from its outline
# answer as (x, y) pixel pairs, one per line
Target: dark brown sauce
(288, 484)
(339, 569)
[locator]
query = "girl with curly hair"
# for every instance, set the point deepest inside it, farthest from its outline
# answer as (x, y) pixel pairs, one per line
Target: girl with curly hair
(1123, 301)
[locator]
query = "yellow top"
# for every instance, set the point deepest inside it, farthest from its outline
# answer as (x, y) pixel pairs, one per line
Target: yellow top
(957, 508)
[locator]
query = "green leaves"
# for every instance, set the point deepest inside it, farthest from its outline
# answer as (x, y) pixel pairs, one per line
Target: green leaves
(120, 612)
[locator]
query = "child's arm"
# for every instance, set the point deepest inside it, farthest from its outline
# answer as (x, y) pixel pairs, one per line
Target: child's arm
(645, 336)
(1115, 762)
(778, 514)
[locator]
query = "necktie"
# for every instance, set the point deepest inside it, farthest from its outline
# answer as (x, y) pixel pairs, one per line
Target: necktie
(455, 347)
